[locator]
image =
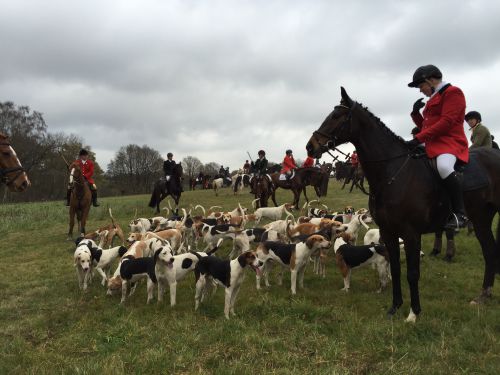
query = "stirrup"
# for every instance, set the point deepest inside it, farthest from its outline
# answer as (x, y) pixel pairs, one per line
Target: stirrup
(456, 222)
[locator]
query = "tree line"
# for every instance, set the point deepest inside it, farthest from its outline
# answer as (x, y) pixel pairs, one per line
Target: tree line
(133, 170)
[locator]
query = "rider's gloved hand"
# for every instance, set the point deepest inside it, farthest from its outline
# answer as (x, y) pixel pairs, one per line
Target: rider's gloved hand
(418, 105)
(413, 144)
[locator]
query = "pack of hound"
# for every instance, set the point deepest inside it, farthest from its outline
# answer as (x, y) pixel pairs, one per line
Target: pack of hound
(164, 250)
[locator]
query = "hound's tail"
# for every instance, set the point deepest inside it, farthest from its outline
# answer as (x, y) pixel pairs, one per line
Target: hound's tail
(210, 252)
(253, 203)
(112, 218)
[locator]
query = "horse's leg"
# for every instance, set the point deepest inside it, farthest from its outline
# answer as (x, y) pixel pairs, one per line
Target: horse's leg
(296, 198)
(438, 243)
(412, 250)
(392, 244)
(482, 227)
(274, 197)
(71, 223)
(85, 215)
(450, 245)
(305, 195)
(176, 200)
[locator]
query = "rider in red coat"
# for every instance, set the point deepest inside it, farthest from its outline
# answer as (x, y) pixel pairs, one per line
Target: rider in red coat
(442, 130)
(288, 164)
(87, 167)
(309, 162)
(354, 159)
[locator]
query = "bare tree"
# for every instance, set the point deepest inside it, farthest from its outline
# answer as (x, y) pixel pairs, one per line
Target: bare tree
(135, 168)
(191, 166)
(211, 168)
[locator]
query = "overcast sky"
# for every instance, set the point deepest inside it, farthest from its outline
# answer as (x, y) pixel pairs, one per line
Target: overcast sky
(214, 79)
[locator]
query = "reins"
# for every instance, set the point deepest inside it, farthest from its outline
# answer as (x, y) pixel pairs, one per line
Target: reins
(331, 145)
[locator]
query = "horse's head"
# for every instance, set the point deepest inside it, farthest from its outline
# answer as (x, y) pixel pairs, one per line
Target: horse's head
(178, 171)
(335, 130)
(12, 173)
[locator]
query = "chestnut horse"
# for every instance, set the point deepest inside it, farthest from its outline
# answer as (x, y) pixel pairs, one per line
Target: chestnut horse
(12, 173)
(407, 198)
(79, 203)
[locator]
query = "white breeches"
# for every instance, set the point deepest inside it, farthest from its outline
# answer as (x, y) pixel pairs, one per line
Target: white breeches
(445, 164)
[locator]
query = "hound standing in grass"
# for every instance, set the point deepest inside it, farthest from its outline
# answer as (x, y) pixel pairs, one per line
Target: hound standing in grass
(225, 272)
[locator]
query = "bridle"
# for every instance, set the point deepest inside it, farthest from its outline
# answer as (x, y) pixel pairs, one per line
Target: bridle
(331, 144)
(5, 171)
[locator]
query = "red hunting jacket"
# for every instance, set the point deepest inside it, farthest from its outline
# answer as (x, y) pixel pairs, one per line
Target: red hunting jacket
(288, 164)
(309, 162)
(442, 124)
(87, 169)
(354, 159)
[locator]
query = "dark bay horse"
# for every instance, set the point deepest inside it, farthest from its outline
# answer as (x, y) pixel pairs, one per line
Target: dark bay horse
(263, 188)
(406, 197)
(163, 188)
(12, 173)
(79, 203)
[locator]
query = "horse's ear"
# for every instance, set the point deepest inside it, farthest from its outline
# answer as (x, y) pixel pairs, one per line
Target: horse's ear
(346, 100)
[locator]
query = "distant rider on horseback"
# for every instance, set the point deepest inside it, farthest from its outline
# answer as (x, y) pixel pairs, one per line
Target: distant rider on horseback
(288, 164)
(168, 168)
(442, 130)
(259, 168)
(87, 167)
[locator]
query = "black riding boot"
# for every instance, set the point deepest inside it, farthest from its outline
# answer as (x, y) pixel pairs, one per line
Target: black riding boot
(68, 197)
(453, 186)
(94, 198)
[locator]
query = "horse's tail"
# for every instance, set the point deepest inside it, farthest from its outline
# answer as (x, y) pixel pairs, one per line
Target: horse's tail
(498, 247)
(154, 198)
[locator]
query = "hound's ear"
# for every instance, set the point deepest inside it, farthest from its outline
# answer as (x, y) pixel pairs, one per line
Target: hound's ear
(78, 240)
(310, 242)
(346, 100)
(122, 250)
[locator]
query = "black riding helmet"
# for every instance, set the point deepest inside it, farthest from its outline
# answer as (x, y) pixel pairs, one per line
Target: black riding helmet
(83, 152)
(424, 72)
(288, 152)
(261, 152)
(473, 115)
(169, 155)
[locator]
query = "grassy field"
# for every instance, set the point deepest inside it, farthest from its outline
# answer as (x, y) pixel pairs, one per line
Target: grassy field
(47, 326)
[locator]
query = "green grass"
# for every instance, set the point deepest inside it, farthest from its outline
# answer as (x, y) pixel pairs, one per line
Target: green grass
(47, 326)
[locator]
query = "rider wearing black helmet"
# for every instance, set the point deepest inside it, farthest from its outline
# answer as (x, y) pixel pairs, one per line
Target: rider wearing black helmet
(480, 136)
(442, 131)
(260, 165)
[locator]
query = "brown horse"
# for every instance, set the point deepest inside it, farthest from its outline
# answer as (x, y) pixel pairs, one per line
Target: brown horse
(12, 173)
(262, 188)
(79, 203)
(407, 198)
(297, 184)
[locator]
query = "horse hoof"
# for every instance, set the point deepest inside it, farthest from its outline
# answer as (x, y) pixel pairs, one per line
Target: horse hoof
(448, 258)
(391, 312)
(69, 238)
(412, 317)
(435, 252)
(482, 298)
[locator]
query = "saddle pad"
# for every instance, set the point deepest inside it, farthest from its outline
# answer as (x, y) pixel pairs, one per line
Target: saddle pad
(475, 176)
(282, 177)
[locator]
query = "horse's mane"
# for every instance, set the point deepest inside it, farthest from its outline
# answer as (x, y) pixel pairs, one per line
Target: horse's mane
(381, 123)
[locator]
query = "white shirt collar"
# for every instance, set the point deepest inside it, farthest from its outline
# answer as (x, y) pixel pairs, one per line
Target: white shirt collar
(439, 87)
